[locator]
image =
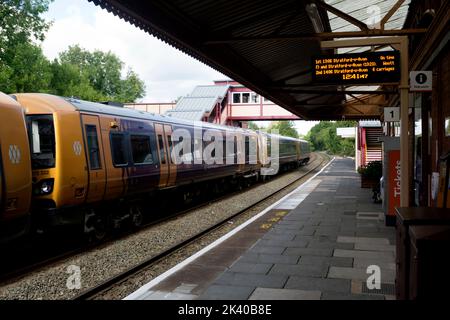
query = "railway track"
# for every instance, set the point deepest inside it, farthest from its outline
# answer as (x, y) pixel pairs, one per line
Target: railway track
(91, 293)
(59, 254)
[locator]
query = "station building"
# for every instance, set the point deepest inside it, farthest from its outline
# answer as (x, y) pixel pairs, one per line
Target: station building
(275, 47)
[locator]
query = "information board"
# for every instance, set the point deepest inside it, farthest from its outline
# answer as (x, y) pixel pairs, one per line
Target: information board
(357, 68)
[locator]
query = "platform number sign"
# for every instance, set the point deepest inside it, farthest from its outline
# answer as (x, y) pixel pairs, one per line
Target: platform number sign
(421, 81)
(392, 114)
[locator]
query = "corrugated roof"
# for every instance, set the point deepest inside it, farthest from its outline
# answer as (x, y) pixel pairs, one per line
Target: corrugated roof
(203, 99)
(209, 91)
(369, 123)
(192, 108)
(266, 45)
(369, 12)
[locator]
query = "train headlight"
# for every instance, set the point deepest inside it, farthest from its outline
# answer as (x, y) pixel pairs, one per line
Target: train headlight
(44, 187)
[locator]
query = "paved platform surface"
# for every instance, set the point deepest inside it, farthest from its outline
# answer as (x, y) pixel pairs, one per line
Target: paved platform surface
(315, 244)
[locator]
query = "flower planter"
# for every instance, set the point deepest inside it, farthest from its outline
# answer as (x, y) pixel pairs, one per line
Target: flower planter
(368, 182)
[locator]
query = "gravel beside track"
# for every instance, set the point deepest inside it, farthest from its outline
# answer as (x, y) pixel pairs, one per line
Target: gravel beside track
(101, 263)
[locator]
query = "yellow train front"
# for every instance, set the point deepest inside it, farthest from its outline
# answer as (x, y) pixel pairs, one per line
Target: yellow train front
(15, 171)
(95, 165)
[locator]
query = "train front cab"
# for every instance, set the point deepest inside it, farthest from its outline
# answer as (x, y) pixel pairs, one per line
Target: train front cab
(15, 171)
(86, 158)
(58, 159)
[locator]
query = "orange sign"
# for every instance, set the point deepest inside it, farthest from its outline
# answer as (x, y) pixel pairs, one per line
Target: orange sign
(394, 181)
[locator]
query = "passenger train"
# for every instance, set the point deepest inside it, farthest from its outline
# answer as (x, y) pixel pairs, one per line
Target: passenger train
(95, 165)
(15, 170)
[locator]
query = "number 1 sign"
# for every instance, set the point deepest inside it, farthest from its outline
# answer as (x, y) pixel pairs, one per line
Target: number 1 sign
(391, 114)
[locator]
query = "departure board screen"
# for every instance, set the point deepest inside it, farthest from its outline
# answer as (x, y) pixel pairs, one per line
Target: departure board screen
(357, 68)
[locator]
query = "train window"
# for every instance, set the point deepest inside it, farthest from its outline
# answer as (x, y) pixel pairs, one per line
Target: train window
(42, 141)
(162, 156)
(141, 150)
(169, 138)
(93, 147)
(246, 97)
(247, 149)
(197, 150)
(118, 149)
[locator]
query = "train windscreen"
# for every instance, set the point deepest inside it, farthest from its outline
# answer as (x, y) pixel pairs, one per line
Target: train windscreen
(41, 133)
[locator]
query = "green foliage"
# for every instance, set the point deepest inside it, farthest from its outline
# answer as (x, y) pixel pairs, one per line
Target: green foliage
(31, 70)
(22, 65)
(20, 22)
(373, 170)
(253, 126)
(100, 73)
(79, 73)
(285, 128)
(323, 137)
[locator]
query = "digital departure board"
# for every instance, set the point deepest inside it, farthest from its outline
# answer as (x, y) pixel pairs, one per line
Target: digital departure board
(357, 68)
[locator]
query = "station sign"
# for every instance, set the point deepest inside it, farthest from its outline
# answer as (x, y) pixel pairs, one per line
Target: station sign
(357, 68)
(391, 114)
(421, 81)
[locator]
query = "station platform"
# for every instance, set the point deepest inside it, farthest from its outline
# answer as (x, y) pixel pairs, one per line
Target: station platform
(314, 244)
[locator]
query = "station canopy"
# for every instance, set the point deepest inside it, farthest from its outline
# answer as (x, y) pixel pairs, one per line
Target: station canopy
(269, 46)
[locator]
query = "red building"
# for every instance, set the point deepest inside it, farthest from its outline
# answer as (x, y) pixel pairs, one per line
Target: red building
(225, 102)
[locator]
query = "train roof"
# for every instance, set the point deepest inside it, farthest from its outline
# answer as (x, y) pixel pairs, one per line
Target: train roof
(53, 103)
(284, 137)
(6, 100)
(56, 103)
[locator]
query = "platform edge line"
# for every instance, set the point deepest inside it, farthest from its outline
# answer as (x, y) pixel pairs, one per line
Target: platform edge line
(139, 293)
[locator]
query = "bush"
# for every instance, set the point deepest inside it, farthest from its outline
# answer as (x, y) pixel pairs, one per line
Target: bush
(373, 170)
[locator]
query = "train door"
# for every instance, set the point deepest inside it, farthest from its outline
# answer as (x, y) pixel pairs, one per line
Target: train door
(94, 152)
(162, 154)
(172, 166)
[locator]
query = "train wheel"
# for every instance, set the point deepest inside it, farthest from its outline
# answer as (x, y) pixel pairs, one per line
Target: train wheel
(96, 226)
(100, 227)
(137, 216)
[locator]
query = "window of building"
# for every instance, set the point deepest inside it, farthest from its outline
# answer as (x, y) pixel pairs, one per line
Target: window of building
(118, 149)
(245, 97)
(236, 97)
(254, 98)
(141, 150)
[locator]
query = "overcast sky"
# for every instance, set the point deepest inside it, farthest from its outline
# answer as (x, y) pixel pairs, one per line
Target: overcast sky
(167, 72)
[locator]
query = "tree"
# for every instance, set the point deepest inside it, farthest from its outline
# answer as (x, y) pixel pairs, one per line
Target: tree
(323, 137)
(20, 22)
(27, 71)
(253, 126)
(68, 81)
(22, 64)
(103, 72)
(285, 128)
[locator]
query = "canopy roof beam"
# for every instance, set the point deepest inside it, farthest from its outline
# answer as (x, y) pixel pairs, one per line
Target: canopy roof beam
(315, 36)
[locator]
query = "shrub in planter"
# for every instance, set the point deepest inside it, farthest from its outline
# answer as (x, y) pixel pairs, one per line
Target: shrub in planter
(371, 174)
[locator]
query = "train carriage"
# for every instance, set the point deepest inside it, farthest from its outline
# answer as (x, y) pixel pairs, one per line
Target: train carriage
(86, 154)
(15, 171)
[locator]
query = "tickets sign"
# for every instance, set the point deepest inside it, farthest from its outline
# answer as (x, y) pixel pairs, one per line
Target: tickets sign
(394, 181)
(357, 68)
